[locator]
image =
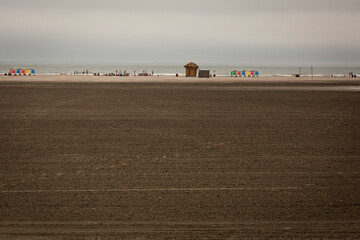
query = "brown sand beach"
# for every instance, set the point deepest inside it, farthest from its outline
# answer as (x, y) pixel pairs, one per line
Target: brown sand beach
(180, 79)
(86, 157)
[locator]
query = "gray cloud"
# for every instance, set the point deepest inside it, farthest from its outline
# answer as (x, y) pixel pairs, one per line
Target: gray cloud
(263, 31)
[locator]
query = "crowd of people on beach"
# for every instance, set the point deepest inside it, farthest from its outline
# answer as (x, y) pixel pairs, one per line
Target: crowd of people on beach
(119, 73)
(84, 72)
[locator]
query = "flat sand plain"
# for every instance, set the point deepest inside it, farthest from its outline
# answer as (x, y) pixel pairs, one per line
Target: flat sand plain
(181, 79)
(102, 158)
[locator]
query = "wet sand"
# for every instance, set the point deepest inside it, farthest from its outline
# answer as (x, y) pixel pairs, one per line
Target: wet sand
(99, 158)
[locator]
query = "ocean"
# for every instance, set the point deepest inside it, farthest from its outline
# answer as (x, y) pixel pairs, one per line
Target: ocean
(172, 69)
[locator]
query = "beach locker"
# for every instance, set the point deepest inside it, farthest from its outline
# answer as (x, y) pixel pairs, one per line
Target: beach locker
(233, 73)
(238, 73)
(28, 71)
(18, 71)
(243, 73)
(23, 71)
(247, 73)
(252, 73)
(12, 71)
(32, 72)
(256, 73)
(204, 73)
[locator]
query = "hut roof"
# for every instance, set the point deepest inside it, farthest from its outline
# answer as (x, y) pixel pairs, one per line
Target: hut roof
(191, 65)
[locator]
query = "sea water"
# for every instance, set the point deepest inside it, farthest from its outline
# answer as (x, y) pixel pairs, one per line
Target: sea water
(172, 69)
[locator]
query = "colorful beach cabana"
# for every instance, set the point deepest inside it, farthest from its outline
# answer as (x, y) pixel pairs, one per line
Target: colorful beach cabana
(18, 71)
(23, 71)
(237, 73)
(32, 71)
(245, 73)
(12, 71)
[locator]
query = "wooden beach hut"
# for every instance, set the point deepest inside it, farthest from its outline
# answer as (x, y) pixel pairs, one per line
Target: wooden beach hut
(32, 72)
(28, 71)
(234, 73)
(191, 69)
(18, 71)
(12, 71)
(243, 73)
(23, 72)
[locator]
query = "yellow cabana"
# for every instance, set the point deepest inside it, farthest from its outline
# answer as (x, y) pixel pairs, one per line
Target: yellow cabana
(247, 73)
(28, 71)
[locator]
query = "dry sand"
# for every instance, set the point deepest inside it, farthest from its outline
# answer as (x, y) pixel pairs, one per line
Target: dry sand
(91, 78)
(86, 157)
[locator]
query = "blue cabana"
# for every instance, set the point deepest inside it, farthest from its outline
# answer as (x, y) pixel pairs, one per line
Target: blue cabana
(32, 71)
(18, 71)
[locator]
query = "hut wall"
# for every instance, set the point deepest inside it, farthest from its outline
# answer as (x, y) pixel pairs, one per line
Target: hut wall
(191, 72)
(204, 73)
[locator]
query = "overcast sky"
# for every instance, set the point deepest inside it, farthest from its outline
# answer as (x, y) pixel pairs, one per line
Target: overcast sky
(252, 32)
